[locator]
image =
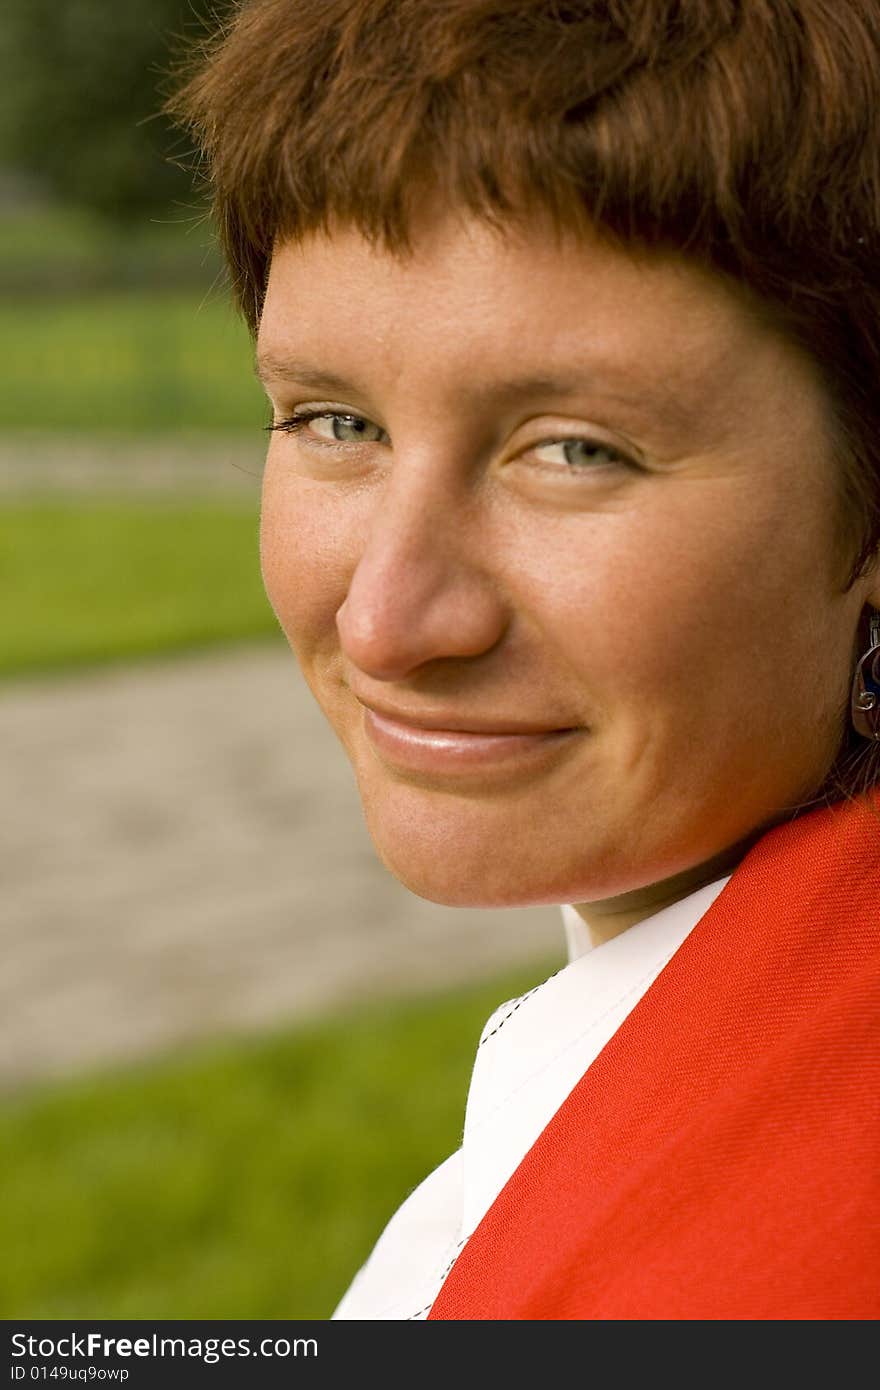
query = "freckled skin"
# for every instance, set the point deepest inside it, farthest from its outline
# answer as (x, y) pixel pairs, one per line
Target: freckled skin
(682, 611)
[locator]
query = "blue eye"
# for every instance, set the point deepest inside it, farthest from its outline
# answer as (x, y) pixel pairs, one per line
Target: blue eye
(347, 428)
(580, 453)
(332, 426)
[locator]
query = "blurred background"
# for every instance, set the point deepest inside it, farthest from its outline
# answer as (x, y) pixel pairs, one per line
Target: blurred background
(230, 1042)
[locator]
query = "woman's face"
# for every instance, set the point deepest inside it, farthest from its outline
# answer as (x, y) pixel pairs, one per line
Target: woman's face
(555, 555)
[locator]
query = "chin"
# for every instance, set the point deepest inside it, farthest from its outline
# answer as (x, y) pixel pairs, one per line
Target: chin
(453, 889)
(469, 859)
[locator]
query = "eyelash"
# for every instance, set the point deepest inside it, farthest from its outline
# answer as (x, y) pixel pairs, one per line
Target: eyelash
(294, 424)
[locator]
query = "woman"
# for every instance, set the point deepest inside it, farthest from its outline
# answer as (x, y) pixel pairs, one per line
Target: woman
(571, 513)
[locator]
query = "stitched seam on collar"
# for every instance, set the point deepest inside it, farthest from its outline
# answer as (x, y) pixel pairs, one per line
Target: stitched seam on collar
(647, 978)
(522, 999)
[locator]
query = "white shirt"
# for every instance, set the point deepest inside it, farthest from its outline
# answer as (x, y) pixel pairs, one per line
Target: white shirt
(531, 1054)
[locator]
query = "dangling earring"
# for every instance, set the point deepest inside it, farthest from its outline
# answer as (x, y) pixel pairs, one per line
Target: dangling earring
(865, 702)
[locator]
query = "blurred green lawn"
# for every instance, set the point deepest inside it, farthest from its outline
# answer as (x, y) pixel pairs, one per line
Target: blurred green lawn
(128, 360)
(243, 1180)
(93, 579)
(100, 580)
(50, 251)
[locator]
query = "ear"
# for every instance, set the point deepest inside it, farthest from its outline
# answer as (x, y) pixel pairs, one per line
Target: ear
(872, 583)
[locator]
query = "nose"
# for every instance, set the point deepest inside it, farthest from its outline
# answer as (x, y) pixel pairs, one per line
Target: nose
(421, 589)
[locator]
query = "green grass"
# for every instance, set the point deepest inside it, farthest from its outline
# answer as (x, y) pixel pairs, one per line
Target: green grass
(127, 362)
(246, 1180)
(92, 580)
(105, 328)
(55, 250)
(98, 581)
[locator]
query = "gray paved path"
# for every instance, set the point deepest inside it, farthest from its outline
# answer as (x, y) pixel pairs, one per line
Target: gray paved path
(200, 464)
(183, 856)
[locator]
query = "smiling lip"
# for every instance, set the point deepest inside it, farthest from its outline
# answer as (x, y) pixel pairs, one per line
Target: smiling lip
(456, 745)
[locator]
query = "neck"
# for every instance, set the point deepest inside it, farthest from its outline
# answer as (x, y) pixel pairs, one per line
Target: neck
(608, 917)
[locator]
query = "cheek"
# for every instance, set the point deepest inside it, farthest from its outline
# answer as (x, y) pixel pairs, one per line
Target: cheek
(625, 594)
(658, 608)
(303, 559)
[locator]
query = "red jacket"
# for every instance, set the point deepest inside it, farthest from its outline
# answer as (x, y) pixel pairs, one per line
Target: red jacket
(720, 1159)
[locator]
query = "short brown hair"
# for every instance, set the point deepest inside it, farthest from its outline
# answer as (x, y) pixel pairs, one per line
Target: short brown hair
(745, 133)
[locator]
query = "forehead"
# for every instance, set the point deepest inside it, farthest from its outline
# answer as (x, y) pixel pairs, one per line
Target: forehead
(507, 314)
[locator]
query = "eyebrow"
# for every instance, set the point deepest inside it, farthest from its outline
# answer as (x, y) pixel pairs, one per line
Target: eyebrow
(270, 364)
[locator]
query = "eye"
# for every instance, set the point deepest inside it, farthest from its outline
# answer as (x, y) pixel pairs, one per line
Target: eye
(333, 426)
(346, 429)
(580, 454)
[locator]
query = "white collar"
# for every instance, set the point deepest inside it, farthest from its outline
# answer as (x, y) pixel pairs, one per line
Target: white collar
(533, 1051)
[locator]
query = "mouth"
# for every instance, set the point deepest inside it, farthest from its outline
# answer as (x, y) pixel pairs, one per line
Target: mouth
(451, 745)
